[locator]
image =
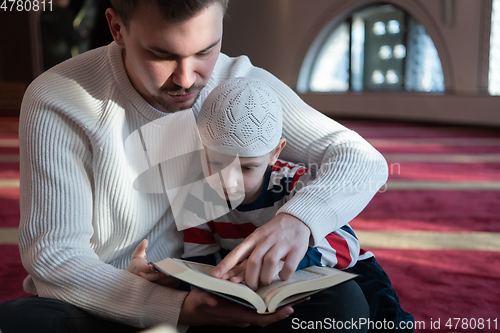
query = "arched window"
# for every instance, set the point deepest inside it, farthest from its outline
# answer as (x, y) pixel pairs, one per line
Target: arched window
(379, 48)
(494, 72)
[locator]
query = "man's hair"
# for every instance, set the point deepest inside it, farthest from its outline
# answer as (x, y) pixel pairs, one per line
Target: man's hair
(172, 10)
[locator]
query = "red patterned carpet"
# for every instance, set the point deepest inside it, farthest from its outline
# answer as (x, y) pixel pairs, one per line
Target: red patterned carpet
(12, 272)
(446, 199)
(435, 227)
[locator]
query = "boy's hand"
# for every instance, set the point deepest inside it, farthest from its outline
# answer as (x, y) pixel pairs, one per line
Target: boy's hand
(237, 273)
(139, 264)
(283, 238)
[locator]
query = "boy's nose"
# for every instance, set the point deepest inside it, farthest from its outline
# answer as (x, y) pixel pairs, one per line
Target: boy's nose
(232, 177)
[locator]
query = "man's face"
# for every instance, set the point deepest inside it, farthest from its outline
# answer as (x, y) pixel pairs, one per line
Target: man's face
(169, 63)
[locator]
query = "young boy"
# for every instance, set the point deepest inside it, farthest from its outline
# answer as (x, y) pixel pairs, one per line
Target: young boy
(240, 126)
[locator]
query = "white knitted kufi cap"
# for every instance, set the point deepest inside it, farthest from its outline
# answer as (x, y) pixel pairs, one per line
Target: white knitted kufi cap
(241, 116)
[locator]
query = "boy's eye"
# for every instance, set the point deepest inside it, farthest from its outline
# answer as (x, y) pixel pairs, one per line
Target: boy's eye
(245, 168)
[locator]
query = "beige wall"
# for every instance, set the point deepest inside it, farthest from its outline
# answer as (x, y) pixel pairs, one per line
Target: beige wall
(276, 35)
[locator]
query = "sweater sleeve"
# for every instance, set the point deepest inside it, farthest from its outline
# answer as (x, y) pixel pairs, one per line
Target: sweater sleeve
(56, 227)
(340, 248)
(348, 170)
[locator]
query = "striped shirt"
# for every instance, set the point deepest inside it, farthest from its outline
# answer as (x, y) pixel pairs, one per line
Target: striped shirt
(339, 249)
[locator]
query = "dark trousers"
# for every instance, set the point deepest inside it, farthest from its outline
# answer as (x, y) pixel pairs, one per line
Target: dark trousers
(46, 315)
(381, 297)
(344, 303)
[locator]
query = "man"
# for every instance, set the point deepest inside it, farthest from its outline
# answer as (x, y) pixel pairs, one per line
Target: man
(81, 218)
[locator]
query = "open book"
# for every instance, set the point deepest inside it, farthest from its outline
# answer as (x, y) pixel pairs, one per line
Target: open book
(266, 299)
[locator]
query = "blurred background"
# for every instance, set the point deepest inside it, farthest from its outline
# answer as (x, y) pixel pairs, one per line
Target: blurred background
(423, 60)
(419, 79)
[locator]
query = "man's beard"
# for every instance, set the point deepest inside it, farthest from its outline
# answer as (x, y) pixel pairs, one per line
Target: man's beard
(177, 91)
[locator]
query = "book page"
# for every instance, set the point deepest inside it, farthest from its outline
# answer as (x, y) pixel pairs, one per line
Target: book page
(309, 278)
(206, 270)
(267, 292)
(202, 268)
(306, 274)
(199, 275)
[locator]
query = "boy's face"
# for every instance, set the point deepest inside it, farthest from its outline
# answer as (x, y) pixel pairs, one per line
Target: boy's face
(240, 175)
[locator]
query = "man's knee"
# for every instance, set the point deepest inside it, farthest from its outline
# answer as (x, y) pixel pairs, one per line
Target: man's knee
(345, 302)
(44, 315)
(338, 309)
(35, 314)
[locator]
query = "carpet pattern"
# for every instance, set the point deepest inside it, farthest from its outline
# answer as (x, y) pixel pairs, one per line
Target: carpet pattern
(434, 227)
(12, 272)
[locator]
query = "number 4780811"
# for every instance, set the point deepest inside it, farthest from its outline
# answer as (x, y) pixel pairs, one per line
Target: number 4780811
(25, 5)
(472, 323)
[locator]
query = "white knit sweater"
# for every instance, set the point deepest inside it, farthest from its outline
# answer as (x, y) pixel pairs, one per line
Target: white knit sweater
(80, 217)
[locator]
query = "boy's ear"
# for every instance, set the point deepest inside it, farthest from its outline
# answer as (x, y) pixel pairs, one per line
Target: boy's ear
(276, 154)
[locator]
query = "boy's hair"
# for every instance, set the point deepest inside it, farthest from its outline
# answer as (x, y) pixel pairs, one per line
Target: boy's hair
(242, 116)
(172, 10)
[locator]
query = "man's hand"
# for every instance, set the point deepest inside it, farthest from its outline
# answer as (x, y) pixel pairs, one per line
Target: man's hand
(283, 238)
(203, 308)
